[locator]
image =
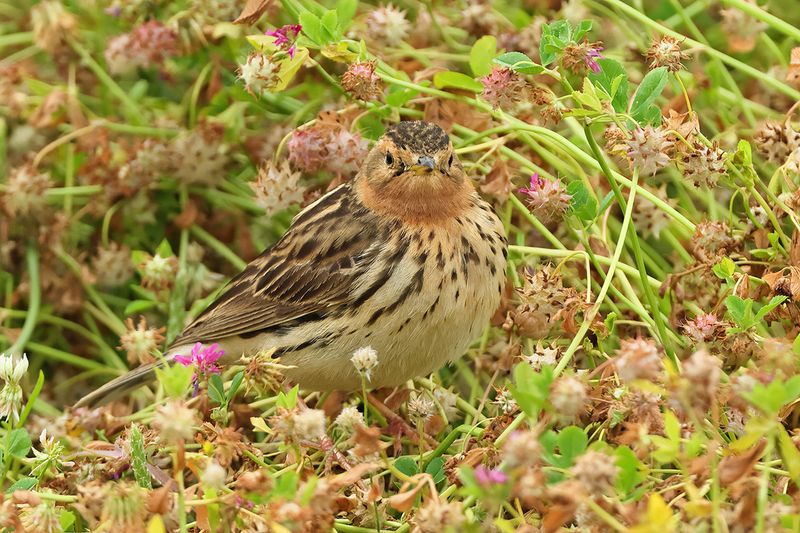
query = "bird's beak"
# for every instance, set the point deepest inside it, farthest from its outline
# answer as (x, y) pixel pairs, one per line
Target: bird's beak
(424, 165)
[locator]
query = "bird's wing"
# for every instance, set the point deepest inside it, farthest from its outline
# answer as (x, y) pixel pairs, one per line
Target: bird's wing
(312, 269)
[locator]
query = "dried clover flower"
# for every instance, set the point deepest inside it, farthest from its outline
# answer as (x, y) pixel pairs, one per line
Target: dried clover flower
(141, 342)
(777, 141)
(583, 56)
(711, 240)
(666, 52)
(548, 200)
(638, 359)
(259, 73)
(504, 88)
(568, 396)
(23, 195)
(702, 164)
(420, 406)
(596, 471)
(175, 421)
(648, 149)
(277, 187)
(158, 273)
(388, 25)
(361, 81)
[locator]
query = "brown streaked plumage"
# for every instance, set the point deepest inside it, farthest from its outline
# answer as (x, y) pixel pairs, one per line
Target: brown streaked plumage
(406, 258)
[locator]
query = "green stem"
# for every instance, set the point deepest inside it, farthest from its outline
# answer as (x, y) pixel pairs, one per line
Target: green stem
(34, 300)
(652, 301)
(589, 317)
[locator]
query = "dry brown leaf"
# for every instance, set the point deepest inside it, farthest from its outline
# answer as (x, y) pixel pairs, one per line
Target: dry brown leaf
(785, 282)
(368, 441)
(793, 72)
(404, 500)
(352, 475)
(252, 11)
(794, 251)
(734, 467)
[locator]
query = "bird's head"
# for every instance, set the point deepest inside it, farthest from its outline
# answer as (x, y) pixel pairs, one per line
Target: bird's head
(413, 170)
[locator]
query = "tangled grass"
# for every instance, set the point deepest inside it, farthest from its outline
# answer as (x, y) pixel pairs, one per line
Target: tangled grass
(640, 375)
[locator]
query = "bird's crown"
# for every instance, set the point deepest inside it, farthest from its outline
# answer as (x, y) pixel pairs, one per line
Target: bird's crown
(418, 136)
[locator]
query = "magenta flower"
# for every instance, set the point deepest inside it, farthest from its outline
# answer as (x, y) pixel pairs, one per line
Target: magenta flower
(537, 183)
(592, 55)
(285, 37)
(204, 359)
(487, 477)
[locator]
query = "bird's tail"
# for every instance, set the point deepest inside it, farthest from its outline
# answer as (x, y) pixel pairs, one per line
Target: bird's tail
(122, 385)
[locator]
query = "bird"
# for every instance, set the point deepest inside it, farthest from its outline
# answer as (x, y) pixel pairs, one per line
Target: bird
(406, 258)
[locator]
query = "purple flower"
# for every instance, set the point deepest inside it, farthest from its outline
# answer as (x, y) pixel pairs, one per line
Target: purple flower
(592, 55)
(487, 477)
(204, 359)
(283, 39)
(537, 183)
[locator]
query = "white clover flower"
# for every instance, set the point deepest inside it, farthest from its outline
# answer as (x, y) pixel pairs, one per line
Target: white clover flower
(259, 73)
(349, 418)
(214, 475)
(309, 425)
(365, 360)
(12, 372)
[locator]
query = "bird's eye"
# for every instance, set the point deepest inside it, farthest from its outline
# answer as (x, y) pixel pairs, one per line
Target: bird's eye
(450, 161)
(389, 158)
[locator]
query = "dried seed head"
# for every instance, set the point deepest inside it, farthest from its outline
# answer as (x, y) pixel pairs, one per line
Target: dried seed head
(277, 187)
(42, 518)
(436, 515)
(158, 273)
(776, 141)
(638, 359)
(479, 19)
(175, 422)
(505, 401)
(387, 25)
(140, 342)
(548, 200)
(148, 45)
(703, 372)
(24, 193)
(124, 507)
(522, 449)
(702, 164)
(596, 471)
(666, 52)
(365, 359)
(327, 146)
(648, 149)
(361, 81)
(200, 155)
(52, 25)
(421, 407)
(568, 396)
(504, 88)
(711, 241)
(259, 73)
(112, 266)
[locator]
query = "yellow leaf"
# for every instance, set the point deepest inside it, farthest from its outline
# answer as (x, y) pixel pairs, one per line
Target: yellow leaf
(259, 424)
(658, 512)
(699, 509)
(156, 525)
(338, 52)
(277, 528)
